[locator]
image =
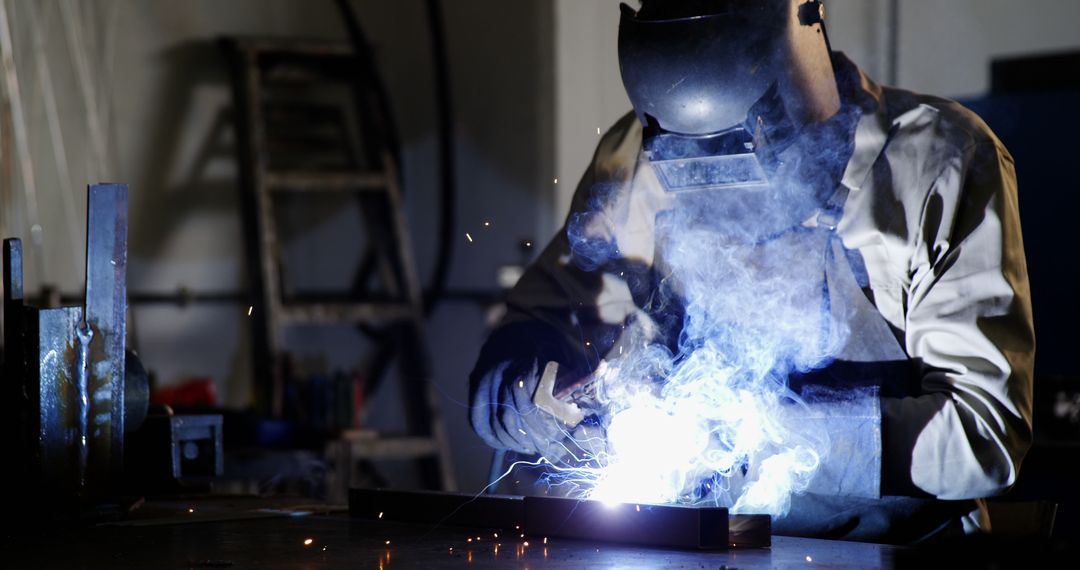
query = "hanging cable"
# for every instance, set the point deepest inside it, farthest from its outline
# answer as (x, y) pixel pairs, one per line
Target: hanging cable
(445, 118)
(373, 101)
(385, 129)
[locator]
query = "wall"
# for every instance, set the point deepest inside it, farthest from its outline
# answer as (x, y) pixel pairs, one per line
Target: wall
(946, 45)
(588, 89)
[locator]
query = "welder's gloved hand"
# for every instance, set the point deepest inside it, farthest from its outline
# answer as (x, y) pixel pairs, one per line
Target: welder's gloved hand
(504, 415)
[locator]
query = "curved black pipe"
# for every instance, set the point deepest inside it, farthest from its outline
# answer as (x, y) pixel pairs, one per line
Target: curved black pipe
(377, 113)
(387, 131)
(445, 118)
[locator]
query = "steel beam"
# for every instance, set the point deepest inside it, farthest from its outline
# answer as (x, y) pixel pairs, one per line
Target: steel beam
(106, 307)
(672, 526)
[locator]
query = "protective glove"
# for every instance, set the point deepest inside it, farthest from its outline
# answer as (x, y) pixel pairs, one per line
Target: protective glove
(504, 414)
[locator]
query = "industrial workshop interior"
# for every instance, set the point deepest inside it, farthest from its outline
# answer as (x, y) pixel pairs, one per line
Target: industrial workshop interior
(722, 284)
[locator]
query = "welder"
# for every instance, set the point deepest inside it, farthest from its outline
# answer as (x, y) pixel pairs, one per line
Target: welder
(738, 105)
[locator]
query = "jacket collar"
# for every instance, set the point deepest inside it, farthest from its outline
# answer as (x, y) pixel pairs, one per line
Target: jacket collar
(873, 131)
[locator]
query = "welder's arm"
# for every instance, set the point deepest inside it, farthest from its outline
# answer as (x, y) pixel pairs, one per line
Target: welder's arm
(558, 312)
(969, 323)
(553, 314)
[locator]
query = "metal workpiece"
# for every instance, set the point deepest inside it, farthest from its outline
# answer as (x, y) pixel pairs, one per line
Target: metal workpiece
(136, 392)
(105, 315)
(84, 335)
(669, 526)
(12, 410)
(13, 271)
(672, 526)
(54, 404)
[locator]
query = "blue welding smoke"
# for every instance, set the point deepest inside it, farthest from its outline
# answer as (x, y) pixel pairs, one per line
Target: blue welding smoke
(710, 417)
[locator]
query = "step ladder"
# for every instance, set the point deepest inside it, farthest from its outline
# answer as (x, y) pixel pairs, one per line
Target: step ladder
(292, 142)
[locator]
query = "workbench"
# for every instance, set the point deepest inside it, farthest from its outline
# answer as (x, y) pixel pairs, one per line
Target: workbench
(251, 533)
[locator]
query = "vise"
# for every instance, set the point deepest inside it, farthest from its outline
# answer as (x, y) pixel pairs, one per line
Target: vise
(71, 394)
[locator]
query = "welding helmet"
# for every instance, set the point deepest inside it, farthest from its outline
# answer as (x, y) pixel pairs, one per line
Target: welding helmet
(724, 87)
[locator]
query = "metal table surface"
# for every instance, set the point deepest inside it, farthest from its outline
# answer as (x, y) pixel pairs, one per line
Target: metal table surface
(211, 536)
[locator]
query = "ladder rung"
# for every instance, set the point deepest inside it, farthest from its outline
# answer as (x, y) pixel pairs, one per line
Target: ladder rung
(325, 181)
(292, 47)
(323, 313)
(399, 447)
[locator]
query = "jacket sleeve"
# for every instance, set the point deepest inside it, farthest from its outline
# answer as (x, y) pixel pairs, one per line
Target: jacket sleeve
(567, 307)
(969, 326)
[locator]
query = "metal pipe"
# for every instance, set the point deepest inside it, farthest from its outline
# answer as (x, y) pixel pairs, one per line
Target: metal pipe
(893, 48)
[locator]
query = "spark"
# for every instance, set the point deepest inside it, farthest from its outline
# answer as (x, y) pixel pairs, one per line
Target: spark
(324, 549)
(545, 540)
(478, 539)
(597, 130)
(487, 224)
(808, 559)
(496, 535)
(522, 431)
(523, 536)
(191, 510)
(528, 244)
(250, 308)
(380, 514)
(468, 540)
(521, 383)
(637, 508)
(388, 543)
(525, 544)
(468, 237)
(308, 541)
(556, 180)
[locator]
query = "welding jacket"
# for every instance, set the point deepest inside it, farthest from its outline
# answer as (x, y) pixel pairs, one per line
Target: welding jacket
(929, 218)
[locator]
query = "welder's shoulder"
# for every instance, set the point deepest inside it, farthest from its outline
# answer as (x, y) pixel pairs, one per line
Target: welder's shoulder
(619, 146)
(938, 158)
(939, 133)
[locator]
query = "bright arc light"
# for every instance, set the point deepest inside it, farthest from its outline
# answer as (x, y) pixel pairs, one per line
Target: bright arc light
(652, 450)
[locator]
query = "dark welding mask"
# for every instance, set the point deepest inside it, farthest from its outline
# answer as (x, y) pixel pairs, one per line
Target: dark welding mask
(724, 87)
